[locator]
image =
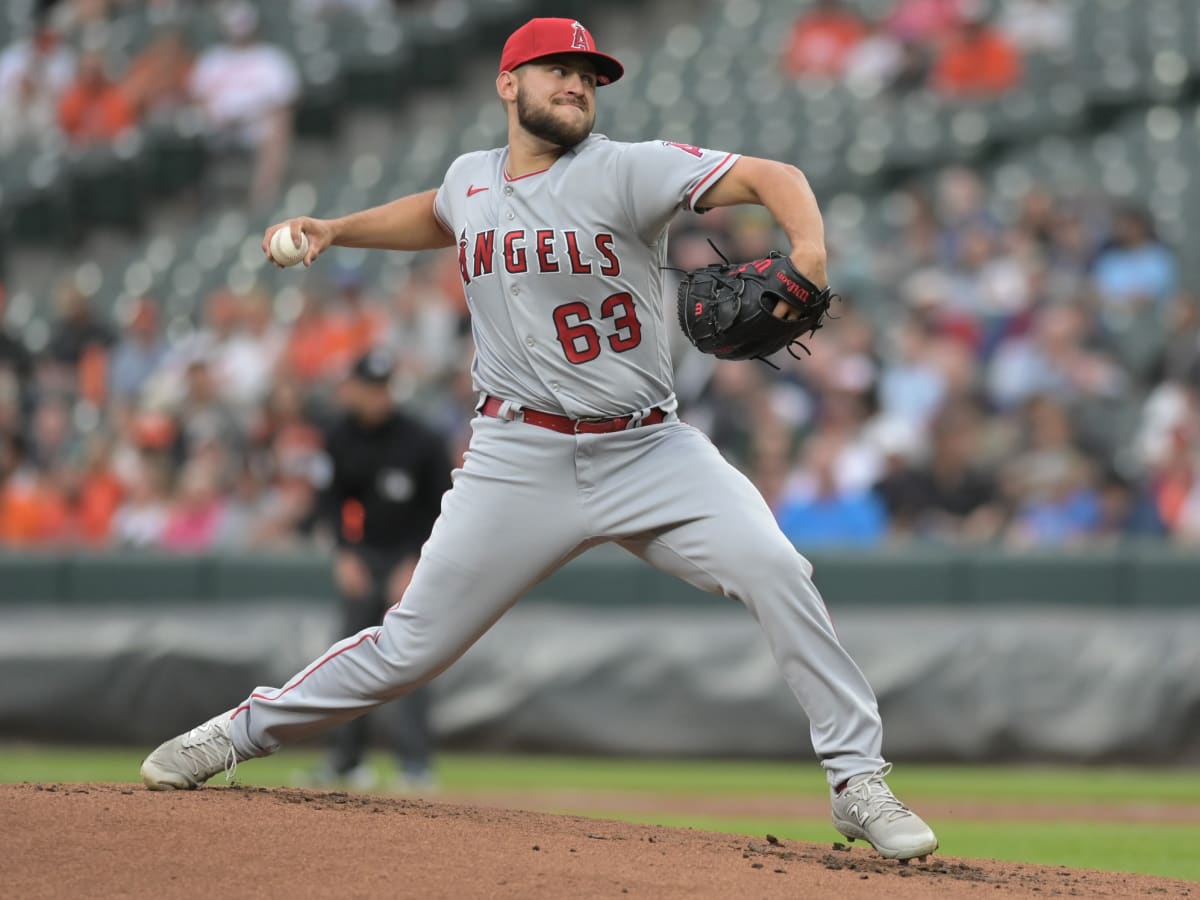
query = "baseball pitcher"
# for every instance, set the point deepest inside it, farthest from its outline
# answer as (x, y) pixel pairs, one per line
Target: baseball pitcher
(561, 238)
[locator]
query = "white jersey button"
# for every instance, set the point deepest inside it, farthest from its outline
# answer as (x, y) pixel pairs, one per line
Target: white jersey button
(529, 341)
(516, 290)
(508, 215)
(508, 189)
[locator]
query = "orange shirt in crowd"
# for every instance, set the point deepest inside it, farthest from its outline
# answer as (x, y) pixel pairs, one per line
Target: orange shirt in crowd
(88, 114)
(322, 346)
(309, 346)
(100, 496)
(983, 63)
(32, 512)
(821, 41)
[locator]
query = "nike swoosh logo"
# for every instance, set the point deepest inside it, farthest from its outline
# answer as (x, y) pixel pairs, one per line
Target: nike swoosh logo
(472, 190)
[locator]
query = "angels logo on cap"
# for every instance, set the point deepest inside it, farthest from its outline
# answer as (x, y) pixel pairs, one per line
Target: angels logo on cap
(539, 38)
(580, 40)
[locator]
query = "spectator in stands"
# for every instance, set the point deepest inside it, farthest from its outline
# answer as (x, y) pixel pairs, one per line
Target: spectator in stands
(990, 285)
(1053, 359)
(139, 353)
(248, 90)
(28, 111)
(912, 387)
(1048, 482)
(951, 498)
(816, 511)
(94, 110)
(204, 418)
(1135, 273)
(1166, 446)
(423, 328)
(285, 509)
(157, 81)
(960, 207)
(1038, 26)
(252, 352)
(881, 62)
(282, 421)
(1126, 510)
(194, 520)
(77, 328)
(925, 22)
(99, 493)
(140, 521)
(52, 436)
(33, 509)
(1059, 506)
(978, 60)
(822, 39)
(34, 72)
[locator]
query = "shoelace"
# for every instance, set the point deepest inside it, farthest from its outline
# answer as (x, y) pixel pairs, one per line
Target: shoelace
(201, 748)
(877, 797)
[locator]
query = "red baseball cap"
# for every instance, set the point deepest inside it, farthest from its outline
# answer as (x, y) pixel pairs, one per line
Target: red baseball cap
(548, 37)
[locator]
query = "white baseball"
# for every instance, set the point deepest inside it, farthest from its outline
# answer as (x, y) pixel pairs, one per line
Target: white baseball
(283, 251)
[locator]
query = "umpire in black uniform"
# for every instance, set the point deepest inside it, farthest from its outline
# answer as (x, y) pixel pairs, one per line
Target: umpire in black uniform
(386, 476)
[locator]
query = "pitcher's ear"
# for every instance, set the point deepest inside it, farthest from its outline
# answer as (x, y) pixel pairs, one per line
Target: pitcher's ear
(506, 86)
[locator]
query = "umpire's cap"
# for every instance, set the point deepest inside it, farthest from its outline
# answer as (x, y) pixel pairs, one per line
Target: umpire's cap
(375, 367)
(549, 37)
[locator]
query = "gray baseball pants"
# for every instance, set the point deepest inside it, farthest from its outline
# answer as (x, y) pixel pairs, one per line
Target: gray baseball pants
(526, 501)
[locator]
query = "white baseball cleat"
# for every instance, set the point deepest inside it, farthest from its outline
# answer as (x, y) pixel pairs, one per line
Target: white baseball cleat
(187, 761)
(868, 810)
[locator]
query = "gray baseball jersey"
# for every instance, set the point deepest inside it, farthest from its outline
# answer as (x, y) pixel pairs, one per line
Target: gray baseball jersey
(566, 302)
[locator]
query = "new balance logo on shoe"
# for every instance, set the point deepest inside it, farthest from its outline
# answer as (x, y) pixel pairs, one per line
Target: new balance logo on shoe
(866, 809)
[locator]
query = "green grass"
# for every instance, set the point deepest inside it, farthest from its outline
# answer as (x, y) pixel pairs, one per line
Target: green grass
(1167, 850)
(1134, 847)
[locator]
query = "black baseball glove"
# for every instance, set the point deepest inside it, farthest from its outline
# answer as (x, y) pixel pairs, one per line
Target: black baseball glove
(728, 309)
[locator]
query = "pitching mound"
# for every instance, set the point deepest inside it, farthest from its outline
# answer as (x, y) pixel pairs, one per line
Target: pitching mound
(119, 840)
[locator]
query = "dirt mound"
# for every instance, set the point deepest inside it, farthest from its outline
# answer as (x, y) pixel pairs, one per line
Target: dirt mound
(119, 840)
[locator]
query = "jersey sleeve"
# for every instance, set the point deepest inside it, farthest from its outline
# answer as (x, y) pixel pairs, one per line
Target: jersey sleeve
(663, 177)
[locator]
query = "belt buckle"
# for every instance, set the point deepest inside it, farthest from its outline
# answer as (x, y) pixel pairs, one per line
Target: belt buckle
(589, 420)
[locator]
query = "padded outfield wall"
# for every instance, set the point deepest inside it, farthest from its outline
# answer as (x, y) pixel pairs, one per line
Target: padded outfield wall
(1049, 657)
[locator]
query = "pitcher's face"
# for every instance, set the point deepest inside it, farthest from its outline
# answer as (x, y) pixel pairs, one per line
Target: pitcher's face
(556, 99)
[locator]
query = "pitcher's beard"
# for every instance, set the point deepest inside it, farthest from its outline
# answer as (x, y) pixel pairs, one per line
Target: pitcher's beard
(542, 123)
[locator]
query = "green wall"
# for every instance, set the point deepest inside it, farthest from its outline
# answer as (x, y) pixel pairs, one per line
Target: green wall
(1124, 576)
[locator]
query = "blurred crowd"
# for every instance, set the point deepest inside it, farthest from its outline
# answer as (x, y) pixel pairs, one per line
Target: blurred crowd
(68, 82)
(116, 435)
(1026, 379)
(958, 48)
(64, 82)
(1020, 374)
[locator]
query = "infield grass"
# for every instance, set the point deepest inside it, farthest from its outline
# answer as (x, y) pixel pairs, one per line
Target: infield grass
(1074, 838)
